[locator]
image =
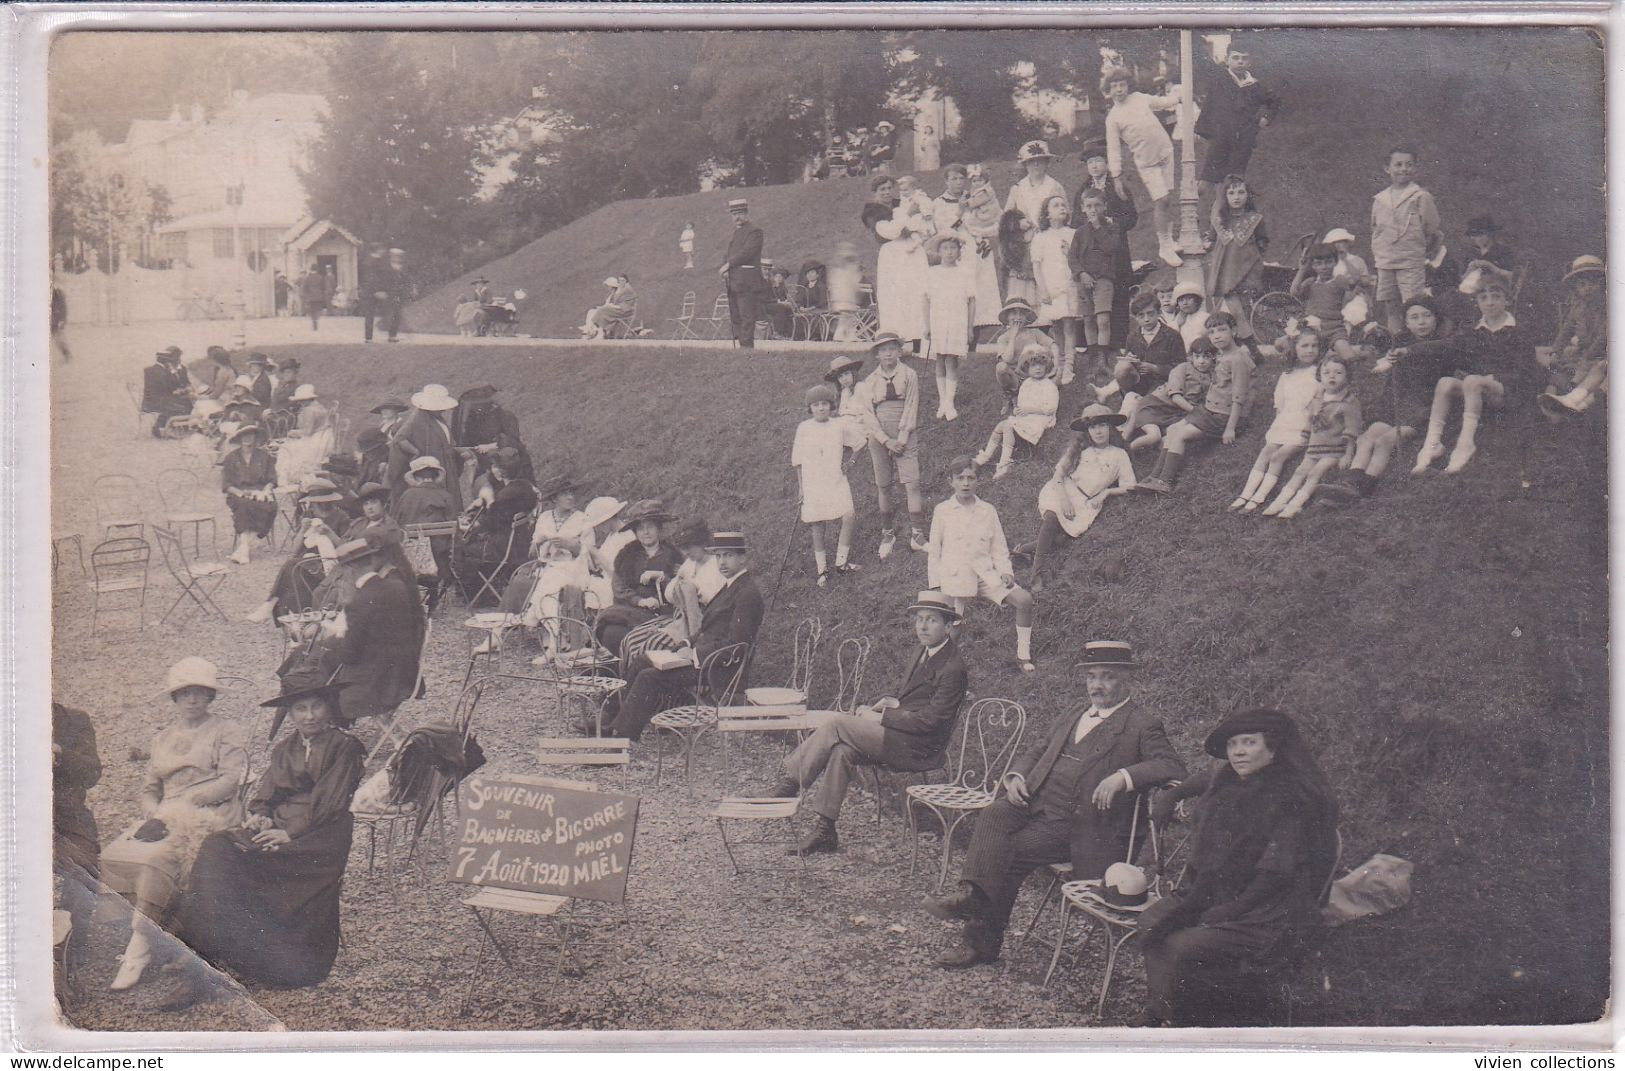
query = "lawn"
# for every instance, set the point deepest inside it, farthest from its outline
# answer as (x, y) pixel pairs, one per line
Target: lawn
(1506, 123)
(1443, 645)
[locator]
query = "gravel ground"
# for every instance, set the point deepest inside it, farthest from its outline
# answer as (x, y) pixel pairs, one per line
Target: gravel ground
(848, 947)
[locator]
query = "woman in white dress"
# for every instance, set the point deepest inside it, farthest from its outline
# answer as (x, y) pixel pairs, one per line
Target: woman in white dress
(562, 544)
(310, 441)
(901, 265)
(192, 788)
(1072, 500)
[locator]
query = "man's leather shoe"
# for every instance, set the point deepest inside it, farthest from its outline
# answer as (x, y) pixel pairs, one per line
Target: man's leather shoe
(962, 956)
(821, 839)
(965, 902)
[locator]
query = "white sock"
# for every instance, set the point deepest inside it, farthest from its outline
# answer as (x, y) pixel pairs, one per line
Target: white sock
(821, 559)
(1024, 642)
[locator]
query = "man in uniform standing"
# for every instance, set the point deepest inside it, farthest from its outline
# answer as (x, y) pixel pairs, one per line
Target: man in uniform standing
(389, 289)
(742, 271)
(368, 275)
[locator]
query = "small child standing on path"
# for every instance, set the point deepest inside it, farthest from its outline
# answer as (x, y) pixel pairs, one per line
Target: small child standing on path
(969, 556)
(1033, 415)
(820, 459)
(1295, 392)
(1404, 234)
(685, 244)
(949, 312)
(1334, 427)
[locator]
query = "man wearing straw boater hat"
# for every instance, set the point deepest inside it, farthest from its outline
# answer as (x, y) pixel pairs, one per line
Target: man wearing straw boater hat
(165, 389)
(742, 274)
(908, 731)
(732, 616)
(425, 432)
(375, 641)
(1069, 796)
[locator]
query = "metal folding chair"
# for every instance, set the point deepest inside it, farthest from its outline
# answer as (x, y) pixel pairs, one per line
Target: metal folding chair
(597, 751)
(714, 687)
(118, 505)
(119, 567)
(198, 580)
(683, 322)
(489, 580)
(142, 417)
(178, 495)
(720, 319)
(989, 737)
(56, 551)
(754, 812)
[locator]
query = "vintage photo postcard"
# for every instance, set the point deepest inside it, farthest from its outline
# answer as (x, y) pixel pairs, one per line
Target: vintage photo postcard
(764, 528)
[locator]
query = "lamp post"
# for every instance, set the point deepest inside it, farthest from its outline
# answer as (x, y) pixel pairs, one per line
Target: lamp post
(234, 195)
(1190, 226)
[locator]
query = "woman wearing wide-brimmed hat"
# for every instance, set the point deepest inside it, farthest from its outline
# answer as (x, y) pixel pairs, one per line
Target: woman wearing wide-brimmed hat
(641, 570)
(500, 532)
(1074, 497)
(1262, 852)
(247, 475)
(309, 440)
(426, 432)
(194, 773)
(264, 898)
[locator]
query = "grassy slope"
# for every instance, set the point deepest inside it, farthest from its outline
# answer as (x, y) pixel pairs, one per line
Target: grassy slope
(1444, 646)
(1501, 127)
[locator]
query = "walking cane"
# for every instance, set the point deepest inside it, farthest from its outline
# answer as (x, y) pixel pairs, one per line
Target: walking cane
(789, 544)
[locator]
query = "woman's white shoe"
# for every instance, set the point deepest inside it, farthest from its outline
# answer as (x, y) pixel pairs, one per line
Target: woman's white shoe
(129, 971)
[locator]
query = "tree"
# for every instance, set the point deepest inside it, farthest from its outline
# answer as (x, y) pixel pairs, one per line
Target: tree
(982, 70)
(95, 203)
(398, 156)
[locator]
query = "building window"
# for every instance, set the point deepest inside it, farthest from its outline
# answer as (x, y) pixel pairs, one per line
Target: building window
(223, 249)
(174, 248)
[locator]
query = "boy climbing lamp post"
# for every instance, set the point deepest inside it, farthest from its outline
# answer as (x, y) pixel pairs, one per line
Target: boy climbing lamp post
(1190, 228)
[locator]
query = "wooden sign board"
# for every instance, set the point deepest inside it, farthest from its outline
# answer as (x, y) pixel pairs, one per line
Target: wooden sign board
(541, 835)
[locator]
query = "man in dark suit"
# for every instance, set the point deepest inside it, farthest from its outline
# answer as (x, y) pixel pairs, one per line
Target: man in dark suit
(732, 616)
(1235, 107)
(369, 273)
(389, 288)
(907, 732)
(165, 389)
(742, 271)
(1069, 797)
(424, 432)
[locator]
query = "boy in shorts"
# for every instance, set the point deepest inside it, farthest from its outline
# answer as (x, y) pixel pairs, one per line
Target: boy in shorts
(969, 556)
(890, 397)
(1324, 293)
(1133, 122)
(1404, 234)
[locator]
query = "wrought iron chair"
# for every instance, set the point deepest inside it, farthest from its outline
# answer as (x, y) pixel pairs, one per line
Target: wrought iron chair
(198, 580)
(683, 322)
(178, 495)
(119, 567)
(804, 648)
(989, 738)
(118, 505)
(717, 681)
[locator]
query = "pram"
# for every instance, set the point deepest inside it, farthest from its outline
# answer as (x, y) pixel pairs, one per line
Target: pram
(499, 317)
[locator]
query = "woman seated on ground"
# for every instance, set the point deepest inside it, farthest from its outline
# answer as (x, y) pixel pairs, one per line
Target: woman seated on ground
(194, 775)
(642, 569)
(1264, 843)
(247, 475)
(497, 532)
(264, 898)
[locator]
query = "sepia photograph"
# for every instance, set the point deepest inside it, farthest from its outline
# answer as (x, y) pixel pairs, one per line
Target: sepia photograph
(797, 529)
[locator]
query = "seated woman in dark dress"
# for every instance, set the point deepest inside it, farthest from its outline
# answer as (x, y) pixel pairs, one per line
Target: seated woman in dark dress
(642, 570)
(264, 898)
(1264, 843)
(498, 534)
(247, 475)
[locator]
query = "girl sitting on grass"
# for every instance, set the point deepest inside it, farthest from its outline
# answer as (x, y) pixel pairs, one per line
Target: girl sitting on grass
(1033, 415)
(1294, 392)
(1167, 404)
(1334, 427)
(1072, 500)
(820, 457)
(1219, 415)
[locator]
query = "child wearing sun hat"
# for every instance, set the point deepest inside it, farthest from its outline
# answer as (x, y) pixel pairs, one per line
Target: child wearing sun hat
(1578, 355)
(1033, 414)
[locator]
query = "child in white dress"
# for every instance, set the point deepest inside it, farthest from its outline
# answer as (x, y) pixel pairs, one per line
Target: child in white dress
(949, 314)
(1033, 415)
(1072, 500)
(820, 459)
(969, 556)
(843, 379)
(1052, 275)
(1287, 434)
(1190, 303)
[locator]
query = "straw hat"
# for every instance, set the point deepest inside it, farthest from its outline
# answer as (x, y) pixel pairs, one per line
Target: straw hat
(1095, 413)
(602, 509)
(435, 398)
(305, 392)
(1113, 653)
(245, 430)
(728, 541)
(192, 672)
(1034, 150)
(1585, 265)
(837, 365)
(1016, 304)
(1337, 234)
(425, 463)
(932, 599)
